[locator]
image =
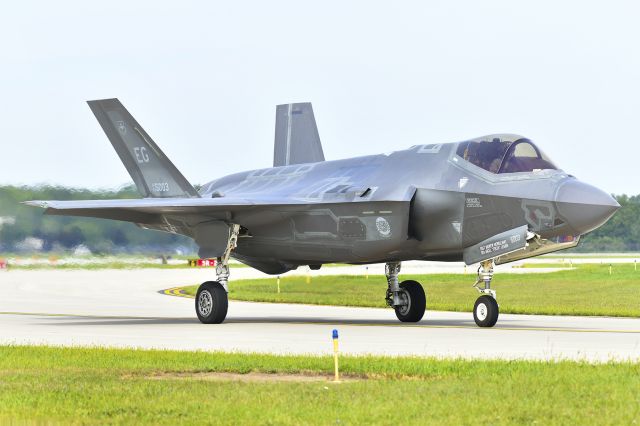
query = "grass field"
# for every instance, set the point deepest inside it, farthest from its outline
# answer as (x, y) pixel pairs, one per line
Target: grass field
(78, 385)
(555, 265)
(96, 265)
(578, 255)
(111, 264)
(583, 290)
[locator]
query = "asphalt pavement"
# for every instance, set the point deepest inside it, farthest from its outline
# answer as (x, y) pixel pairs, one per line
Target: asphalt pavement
(125, 308)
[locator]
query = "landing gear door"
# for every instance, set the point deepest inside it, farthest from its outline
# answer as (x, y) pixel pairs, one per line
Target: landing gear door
(212, 238)
(497, 245)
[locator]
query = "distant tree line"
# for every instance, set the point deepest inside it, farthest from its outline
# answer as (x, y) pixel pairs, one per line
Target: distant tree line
(58, 233)
(621, 233)
(20, 223)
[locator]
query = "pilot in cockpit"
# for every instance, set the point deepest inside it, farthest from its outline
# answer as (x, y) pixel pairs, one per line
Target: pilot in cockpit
(499, 156)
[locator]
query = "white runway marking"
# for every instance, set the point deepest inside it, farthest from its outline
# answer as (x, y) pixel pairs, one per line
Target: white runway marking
(122, 308)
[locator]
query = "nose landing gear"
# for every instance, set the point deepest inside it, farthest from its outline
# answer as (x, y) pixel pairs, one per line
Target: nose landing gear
(486, 309)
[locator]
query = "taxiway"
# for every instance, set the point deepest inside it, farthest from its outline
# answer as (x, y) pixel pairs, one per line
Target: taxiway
(123, 308)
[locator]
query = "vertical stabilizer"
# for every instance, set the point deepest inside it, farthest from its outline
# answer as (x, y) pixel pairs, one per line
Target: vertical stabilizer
(297, 140)
(152, 172)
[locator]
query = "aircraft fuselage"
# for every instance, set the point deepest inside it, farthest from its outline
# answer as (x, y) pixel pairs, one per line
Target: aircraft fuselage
(423, 203)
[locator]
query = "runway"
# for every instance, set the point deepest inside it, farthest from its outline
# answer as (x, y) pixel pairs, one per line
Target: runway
(123, 308)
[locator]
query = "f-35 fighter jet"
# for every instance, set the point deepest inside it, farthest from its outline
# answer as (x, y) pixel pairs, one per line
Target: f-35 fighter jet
(489, 200)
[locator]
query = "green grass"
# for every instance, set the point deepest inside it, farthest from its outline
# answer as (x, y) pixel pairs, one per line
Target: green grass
(124, 265)
(110, 265)
(94, 266)
(544, 265)
(96, 386)
(584, 290)
(578, 255)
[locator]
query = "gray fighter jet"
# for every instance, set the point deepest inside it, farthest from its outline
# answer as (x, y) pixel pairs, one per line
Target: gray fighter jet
(489, 200)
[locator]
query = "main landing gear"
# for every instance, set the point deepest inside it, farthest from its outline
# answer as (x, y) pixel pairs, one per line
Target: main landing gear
(485, 310)
(406, 298)
(409, 301)
(211, 299)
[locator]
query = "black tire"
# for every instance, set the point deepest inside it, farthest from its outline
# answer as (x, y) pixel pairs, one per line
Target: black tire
(211, 303)
(486, 311)
(417, 302)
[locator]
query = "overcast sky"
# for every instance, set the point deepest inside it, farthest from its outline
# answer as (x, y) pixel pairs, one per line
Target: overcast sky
(203, 79)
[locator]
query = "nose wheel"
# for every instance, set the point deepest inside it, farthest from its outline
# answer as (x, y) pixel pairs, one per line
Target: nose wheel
(486, 311)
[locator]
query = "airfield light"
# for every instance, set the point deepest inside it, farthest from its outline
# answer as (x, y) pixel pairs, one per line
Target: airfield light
(278, 283)
(610, 269)
(334, 334)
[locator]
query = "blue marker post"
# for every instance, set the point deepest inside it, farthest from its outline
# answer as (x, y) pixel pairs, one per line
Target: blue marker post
(335, 355)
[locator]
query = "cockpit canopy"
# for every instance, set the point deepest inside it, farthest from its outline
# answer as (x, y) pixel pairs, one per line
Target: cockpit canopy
(504, 154)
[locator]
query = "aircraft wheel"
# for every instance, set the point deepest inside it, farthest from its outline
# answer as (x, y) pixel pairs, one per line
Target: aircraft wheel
(413, 293)
(211, 303)
(486, 311)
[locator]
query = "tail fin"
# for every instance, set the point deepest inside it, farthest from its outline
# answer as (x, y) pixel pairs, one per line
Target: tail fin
(151, 170)
(297, 140)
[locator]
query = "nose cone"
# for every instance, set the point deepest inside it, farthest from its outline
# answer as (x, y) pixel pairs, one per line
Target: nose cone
(584, 207)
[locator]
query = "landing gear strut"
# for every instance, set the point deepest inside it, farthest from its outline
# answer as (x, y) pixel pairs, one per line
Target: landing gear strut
(212, 300)
(485, 310)
(406, 298)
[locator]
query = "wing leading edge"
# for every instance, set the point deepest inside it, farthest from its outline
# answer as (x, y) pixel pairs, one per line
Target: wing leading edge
(149, 209)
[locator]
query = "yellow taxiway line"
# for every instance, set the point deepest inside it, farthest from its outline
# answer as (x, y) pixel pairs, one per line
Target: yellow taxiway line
(176, 291)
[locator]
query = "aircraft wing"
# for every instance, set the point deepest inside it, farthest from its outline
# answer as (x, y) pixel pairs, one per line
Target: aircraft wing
(150, 210)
